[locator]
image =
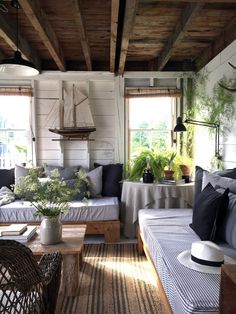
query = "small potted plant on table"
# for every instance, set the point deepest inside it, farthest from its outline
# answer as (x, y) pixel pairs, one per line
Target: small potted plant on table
(169, 173)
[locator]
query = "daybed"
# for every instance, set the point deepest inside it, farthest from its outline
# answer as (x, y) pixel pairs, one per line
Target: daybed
(164, 234)
(100, 214)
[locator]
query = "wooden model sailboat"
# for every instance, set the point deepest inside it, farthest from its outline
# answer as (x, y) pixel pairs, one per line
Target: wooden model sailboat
(76, 120)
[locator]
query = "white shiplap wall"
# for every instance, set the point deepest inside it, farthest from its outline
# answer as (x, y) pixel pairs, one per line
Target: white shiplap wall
(218, 68)
(102, 95)
(46, 99)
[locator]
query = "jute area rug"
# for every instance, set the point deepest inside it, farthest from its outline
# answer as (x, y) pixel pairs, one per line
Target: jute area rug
(114, 279)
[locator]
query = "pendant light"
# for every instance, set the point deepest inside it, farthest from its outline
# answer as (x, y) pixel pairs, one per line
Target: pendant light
(17, 66)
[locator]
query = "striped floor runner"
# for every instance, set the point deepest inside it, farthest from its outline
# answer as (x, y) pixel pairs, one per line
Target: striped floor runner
(114, 279)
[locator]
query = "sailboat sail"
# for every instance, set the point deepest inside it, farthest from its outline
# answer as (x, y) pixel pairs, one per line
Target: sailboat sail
(75, 115)
(83, 112)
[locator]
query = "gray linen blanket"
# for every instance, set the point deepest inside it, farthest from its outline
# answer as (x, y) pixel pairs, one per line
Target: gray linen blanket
(6, 196)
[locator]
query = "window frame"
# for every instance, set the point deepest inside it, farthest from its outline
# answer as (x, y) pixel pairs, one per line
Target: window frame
(18, 92)
(127, 129)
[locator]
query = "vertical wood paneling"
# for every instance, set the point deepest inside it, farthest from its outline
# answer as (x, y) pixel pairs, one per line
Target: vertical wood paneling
(46, 105)
(102, 102)
(101, 97)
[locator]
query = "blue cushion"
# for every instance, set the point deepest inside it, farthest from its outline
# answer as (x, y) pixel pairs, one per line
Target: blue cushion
(83, 189)
(111, 179)
(95, 181)
(7, 177)
(217, 180)
(228, 173)
(227, 230)
(208, 206)
(66, 173)
(198, 181)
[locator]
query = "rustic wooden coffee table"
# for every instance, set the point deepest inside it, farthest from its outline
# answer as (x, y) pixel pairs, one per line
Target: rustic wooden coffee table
(71, 249)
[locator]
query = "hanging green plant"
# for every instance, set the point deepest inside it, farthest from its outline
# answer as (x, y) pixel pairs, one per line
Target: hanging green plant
(215, 108)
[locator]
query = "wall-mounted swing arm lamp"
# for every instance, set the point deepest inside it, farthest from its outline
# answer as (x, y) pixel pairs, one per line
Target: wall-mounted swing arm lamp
(17, 65)
(180, 127)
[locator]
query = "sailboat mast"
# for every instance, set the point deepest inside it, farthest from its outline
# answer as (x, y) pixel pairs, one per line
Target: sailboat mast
(74, 108)
(61, 110)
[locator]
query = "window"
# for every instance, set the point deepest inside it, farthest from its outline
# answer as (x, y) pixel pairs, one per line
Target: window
(150, 124)
(15, 135)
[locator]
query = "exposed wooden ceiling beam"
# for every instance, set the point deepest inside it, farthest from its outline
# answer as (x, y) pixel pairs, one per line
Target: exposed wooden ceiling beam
(8, 33)
(130, 13)
(227, 36)
(83, 34)
(199, 1)
(154, 41)
(191, 10)
(44, 29)
(114, 26)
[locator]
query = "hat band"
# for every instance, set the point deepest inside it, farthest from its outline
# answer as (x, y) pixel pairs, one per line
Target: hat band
(206, 263)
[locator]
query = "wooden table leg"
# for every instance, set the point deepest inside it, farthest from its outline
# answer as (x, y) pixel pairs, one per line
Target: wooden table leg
(71, 265)
(70, 274)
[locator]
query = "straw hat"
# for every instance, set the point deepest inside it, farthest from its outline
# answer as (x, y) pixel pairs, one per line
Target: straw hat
(204, 256)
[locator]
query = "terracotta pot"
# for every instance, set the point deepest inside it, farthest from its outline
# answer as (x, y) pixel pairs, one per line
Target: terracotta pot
(168, 174)
(185, 170)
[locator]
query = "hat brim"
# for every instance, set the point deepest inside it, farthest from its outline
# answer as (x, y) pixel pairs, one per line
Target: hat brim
(185, 259)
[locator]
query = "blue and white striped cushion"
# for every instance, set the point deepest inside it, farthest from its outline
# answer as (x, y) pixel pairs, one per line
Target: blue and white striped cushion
(167, 233)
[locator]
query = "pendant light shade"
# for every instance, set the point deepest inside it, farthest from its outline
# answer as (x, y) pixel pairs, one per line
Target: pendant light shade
(17, 66)
(180, 127)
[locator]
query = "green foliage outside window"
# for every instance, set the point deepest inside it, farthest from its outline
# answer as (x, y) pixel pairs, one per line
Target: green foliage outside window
(155, 138)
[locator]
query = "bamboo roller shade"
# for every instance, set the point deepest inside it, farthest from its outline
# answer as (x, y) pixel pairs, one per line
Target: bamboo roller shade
(152, 92)
(16, 91)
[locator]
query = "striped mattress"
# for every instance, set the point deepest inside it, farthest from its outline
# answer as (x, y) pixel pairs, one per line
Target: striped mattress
(167, 233)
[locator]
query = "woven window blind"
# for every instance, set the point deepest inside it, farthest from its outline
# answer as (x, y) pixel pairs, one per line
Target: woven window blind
(16, 91)
(152, 92)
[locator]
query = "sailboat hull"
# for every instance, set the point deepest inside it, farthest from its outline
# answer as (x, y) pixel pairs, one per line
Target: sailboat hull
(73, 132)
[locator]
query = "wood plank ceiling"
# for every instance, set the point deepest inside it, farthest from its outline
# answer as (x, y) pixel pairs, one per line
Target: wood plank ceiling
(118, 35)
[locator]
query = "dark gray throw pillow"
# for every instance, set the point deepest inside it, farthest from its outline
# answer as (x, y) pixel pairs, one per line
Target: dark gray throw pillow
(198, 181)
(227, 229)
(228, 173)
(206, 210)
(111, 179)
(7, 177)
(66, 173)
(83, 189)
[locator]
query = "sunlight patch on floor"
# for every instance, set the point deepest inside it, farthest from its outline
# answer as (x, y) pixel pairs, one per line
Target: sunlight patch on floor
(139, 270)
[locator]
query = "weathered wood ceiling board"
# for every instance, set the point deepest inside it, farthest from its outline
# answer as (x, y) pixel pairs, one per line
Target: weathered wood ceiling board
(118, 35)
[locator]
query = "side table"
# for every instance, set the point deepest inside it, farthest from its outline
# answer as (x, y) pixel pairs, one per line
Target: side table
(138, 195)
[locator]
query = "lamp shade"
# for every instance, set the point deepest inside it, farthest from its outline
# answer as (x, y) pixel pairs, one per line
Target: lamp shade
(179, 126)
(18, 66)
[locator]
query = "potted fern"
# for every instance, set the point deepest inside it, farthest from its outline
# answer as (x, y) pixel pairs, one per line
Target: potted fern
(148, 165)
